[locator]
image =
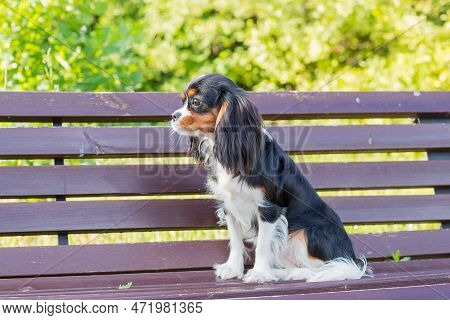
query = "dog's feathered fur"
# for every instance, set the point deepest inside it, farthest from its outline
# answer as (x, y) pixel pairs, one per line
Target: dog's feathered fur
(261, 190)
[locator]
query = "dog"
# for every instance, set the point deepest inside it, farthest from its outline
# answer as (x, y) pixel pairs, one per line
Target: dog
(262, 196)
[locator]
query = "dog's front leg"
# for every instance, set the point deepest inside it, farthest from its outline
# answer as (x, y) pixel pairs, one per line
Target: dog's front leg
(234, 267)
(272, 239)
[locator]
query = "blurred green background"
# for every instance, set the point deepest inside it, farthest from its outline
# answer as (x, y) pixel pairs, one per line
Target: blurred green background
(143, 45)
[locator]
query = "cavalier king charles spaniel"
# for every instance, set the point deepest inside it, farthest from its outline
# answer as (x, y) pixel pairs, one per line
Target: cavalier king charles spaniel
(262, 195)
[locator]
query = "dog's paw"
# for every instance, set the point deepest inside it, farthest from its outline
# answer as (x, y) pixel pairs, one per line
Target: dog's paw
(229, 271)
(260, 276)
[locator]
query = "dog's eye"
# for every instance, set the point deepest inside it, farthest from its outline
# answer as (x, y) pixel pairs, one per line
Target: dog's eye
(196, 102)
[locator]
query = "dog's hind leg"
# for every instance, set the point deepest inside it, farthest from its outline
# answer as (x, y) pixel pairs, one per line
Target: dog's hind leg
(271, 242)
(312, 269)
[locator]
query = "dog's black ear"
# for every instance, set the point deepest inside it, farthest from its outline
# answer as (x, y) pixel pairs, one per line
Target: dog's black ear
(238, 134)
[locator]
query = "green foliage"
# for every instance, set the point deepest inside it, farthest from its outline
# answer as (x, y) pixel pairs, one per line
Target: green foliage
(144, 45)
(396, 257)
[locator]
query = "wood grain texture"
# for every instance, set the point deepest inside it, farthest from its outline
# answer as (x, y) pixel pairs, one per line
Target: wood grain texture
(91, 180)
(174, 270)
(203, 285)
(184, 282)
(18, 218)
(440, 291)
(156, 106)
(183, 255)
(119, 141)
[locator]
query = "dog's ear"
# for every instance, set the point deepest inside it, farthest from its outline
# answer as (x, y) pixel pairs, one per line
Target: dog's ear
(238, 134)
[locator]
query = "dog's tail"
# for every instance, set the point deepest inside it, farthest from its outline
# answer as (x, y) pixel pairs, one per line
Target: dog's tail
(340, 269)
(333, 270)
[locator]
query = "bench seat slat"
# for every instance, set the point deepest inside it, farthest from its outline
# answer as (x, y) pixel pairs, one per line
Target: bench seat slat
(440, 291)
(91, 180)
(203, 285)
(59, 260)
(75, 142)
(152, 105)
(383, 291)
(197, 213)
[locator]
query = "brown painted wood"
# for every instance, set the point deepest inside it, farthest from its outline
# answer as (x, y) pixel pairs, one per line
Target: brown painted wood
(88, 141)
(19, 218)
(439, 291)
(155, 106)
(419, 289)
(107, 215)
(373, 209)
(187, 255)
(89, 180)
(411, 243)
(203, 285)
(146, 283)
(76, 259)
(162, 257)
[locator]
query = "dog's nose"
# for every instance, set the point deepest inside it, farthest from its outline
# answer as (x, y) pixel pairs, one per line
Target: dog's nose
(176, 115)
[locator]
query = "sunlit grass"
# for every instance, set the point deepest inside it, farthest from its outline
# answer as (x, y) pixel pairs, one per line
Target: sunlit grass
(150, 236)
(361, 157)
(26, 162)
(163, 236)
(25, 124)
(27, 241)
(27, 200)
(146, 197)
(340, 122)
(320, 157)
(117, 124)
(300, 122)
(392, 227)
(379, 192)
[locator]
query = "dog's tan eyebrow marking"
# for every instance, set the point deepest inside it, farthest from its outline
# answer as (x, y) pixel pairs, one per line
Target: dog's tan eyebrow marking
(191, 92)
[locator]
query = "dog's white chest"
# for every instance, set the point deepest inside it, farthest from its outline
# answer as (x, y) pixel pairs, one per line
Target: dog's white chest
(238, 198)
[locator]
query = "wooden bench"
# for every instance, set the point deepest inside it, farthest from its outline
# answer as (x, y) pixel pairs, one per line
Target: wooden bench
(168, 270)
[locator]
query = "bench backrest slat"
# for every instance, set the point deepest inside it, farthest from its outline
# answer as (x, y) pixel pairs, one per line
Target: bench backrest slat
(48, 217)
(186, 255)
(134, 180)
(154, 105)
(81, 142)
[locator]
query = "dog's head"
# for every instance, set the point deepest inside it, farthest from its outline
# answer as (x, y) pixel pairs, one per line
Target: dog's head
(214, 106)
